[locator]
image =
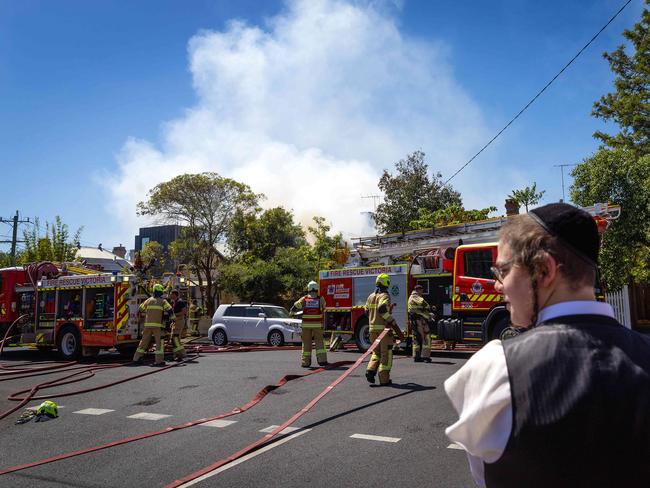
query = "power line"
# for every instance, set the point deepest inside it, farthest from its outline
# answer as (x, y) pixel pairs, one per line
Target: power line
(540, 92)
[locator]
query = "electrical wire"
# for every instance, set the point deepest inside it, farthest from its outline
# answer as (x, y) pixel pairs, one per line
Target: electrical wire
(539, 93)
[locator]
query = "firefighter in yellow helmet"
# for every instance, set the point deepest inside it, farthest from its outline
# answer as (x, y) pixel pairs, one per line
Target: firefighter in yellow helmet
(313, 308)
(153, 307)
(419, 314)
(378, 309)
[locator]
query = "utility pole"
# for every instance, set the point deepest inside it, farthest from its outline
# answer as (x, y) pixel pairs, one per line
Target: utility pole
(562, 166)
(14, 238)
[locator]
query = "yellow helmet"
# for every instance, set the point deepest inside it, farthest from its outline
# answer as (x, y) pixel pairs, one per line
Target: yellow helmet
(48, 408)
(383, 280)
(158, 288)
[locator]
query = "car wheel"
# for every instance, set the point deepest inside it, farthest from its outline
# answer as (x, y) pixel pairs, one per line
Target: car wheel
(362, 334)
(69, 344)
(219, 338)
(276, 339)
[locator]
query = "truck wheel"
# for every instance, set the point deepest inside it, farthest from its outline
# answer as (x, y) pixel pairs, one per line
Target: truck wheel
(69, 343)
(502, 324)
(362, 334)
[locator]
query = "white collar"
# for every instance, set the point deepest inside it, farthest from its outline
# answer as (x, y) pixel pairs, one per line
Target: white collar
(578, 307)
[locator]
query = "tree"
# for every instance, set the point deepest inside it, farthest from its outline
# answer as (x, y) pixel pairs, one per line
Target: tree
(629, 105)
(454, 214)
(527, 196)
(261, 234)
(205, 204)
(618, 175)
(325, 246)
(154, 251)
(54, 245)
(409, 190)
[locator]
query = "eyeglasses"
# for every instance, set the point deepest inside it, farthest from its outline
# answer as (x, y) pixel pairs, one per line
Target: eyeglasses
(500, 272)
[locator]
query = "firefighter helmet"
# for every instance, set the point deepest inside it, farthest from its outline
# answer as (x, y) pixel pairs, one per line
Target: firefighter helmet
(158, 289)
(48, 408)
(312, 286)
(383, 280)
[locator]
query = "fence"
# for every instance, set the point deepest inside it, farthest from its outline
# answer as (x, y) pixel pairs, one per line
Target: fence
(620, 301)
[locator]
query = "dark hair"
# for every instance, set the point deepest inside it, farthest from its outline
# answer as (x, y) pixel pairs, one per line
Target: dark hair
(175, 291)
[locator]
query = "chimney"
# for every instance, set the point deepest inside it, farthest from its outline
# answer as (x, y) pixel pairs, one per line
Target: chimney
(120, 251)
(512, 207)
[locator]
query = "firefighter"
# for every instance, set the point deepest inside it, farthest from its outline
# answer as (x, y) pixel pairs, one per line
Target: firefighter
(153, 308)
(179, 307)
(194, 313)
(419, 315)
(378, 309)
(312, 306)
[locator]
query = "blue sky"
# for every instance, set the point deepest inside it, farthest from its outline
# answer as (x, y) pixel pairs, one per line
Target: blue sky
(306, 101)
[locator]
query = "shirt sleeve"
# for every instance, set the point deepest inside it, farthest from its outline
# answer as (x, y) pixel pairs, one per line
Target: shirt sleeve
(298, 303)
(480, 394)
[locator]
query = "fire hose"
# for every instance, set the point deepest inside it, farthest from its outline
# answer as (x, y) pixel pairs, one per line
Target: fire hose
(254, 401)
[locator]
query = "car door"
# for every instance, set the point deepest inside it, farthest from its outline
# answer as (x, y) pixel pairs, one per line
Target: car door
(255, 326)
(234, 320)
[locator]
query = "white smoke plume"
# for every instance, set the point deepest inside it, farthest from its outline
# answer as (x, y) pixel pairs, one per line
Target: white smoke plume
(308, 109)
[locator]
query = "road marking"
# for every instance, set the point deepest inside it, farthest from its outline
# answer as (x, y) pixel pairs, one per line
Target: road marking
(245, 458)
(375, 438)
(453, 445)
(148, 416)
(271, 428)
(219, 423)
(94, 411)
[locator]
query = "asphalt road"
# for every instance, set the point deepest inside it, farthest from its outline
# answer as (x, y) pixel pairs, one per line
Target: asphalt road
(356, 435)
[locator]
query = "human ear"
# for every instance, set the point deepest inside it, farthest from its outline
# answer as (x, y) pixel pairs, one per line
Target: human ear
(548, 271)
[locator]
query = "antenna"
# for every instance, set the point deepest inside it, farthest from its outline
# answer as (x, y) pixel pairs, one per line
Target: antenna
(562, 166)
(374, 200)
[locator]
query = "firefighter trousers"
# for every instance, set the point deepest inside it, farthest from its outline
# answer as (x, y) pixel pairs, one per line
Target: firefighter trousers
(308, 335)
(421, 339)
(382, 357)
(177, 347)
(150, 333)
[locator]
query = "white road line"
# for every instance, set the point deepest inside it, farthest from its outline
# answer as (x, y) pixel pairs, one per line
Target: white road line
(288, 430)
(375, 438)
(453, 445)
(148, 416)
(245, 458)
(94, 411)
(219, 423)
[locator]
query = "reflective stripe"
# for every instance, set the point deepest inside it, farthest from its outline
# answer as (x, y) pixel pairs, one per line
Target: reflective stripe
(315, 325)
(153, 324)
(141, 351)
(318, 317)
(155, 307)
(321, 351)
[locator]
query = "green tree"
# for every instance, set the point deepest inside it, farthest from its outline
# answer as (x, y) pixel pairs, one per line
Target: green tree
(261, 234)
(5, 259)
(205, 204)
(54, 244)
(154, 251)
(324, 246)
(629, 105)
(454, 214)
(527, 196)
(619, 176)
(409, 190)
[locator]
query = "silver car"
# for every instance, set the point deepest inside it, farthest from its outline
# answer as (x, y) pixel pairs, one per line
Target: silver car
(253, 323)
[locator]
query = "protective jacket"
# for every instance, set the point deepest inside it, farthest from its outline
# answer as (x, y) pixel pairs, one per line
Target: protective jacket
(418, 306)
(312, 311)
(378, 310)
(154, 309)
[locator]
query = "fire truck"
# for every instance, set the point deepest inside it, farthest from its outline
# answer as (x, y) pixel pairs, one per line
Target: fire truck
(77, 312)
(451, 263)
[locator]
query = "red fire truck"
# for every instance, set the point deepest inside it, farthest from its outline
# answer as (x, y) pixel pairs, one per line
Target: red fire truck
(452, 264)
(78, 314)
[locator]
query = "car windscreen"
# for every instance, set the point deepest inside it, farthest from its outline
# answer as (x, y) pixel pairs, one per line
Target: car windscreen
(276, 312)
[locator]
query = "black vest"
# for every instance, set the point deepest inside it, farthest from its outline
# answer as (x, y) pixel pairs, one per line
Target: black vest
(580, 389)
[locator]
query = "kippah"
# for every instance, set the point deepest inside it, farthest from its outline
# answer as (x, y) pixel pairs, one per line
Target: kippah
(572, 226)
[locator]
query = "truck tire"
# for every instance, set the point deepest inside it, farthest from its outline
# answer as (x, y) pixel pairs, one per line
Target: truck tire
(499, 326)
(362, 334)
(69, 343)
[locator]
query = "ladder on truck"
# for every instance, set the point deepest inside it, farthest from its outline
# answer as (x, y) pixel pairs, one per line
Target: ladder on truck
(400, 244)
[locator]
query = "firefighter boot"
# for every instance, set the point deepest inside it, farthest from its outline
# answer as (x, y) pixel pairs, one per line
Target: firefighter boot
(370, 376)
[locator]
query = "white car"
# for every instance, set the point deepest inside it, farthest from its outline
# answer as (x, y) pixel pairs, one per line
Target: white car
(253, 323)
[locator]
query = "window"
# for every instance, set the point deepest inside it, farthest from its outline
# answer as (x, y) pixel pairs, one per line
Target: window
(253, 311)
(276, 312)
(235, 312)
(477, 263)
(70, 306)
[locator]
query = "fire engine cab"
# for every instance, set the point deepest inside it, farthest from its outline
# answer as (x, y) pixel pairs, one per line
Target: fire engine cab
(451, 263)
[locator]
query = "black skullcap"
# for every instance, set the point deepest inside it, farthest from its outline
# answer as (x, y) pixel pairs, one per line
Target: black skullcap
(574, 227)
